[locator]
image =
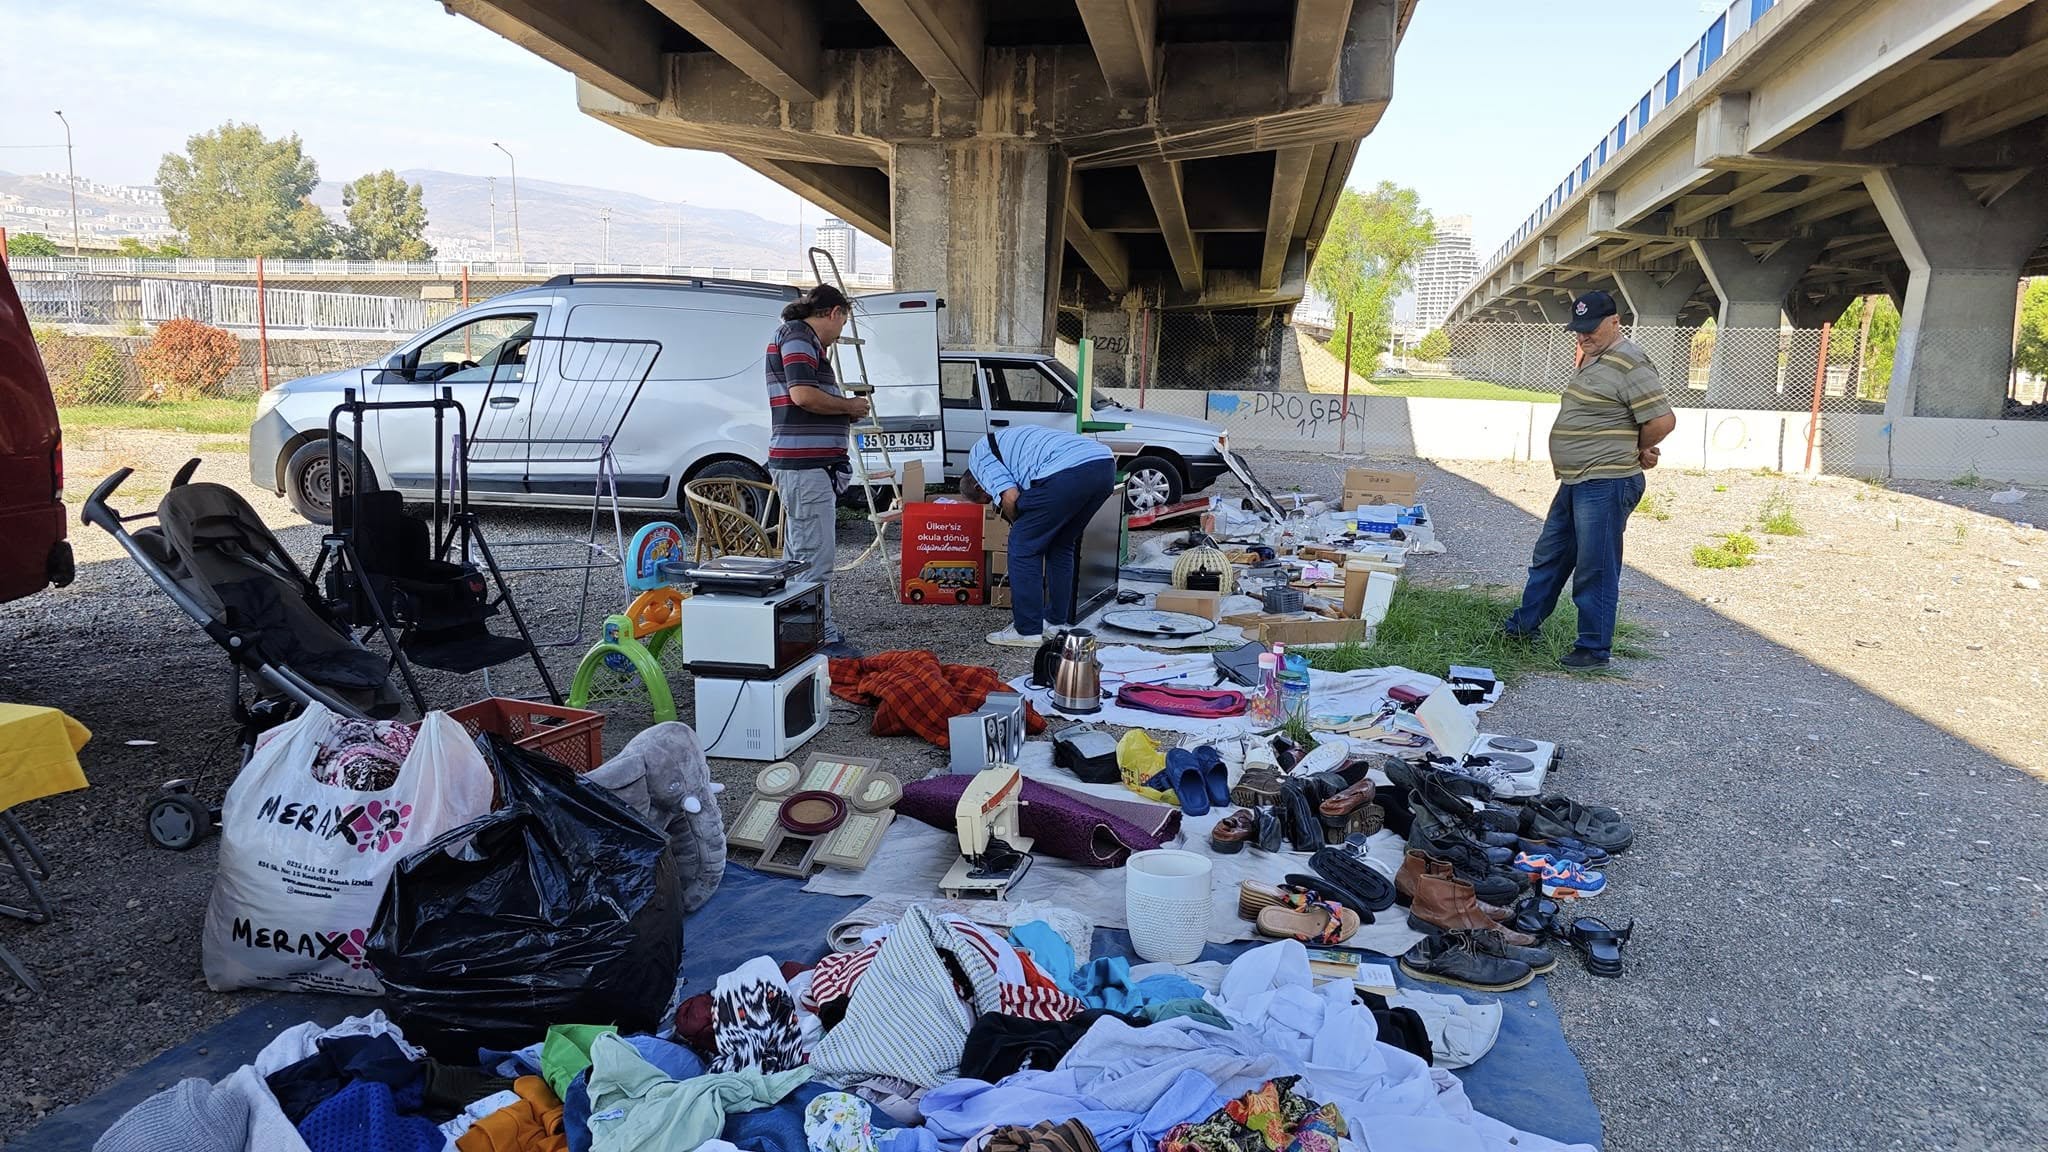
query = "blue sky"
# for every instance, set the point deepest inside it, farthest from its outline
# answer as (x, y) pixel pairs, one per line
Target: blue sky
(1493, 99)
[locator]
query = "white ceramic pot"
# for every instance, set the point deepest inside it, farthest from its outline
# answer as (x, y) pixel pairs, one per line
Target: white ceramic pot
(1167, 904)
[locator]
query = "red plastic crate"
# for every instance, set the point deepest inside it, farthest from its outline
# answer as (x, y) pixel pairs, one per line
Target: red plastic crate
(570, 736)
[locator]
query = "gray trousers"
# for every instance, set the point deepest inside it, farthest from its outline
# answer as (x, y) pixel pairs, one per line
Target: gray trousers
(811, 530)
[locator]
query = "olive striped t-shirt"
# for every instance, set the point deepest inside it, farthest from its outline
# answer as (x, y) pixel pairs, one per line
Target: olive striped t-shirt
(1598, 418)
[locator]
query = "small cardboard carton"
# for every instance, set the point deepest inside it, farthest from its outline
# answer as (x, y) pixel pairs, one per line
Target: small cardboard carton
(1207, 605)
(1300, 628)
(1367, 592)
(1366, 486)
(995, 531)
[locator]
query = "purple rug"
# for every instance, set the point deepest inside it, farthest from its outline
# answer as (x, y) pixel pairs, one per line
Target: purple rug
(1062, 824)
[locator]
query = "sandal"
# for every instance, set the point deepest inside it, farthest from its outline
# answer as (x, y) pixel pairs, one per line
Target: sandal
(1311, 922)
(1599, 944)
(1215, 777)
(1255, 896)
(1184, 778)
(1535, 915)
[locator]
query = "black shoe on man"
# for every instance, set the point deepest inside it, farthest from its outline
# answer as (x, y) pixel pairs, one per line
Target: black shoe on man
(1583, 660)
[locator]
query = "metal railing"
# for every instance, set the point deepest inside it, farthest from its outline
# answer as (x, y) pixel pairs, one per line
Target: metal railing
(283, 309)
(411, 269)
(1735, 22)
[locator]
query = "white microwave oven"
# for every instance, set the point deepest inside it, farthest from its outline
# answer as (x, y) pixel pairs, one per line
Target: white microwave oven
(753, 637)
(763, 719)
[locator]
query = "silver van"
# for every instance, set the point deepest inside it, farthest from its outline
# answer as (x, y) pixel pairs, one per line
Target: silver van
(702, 411)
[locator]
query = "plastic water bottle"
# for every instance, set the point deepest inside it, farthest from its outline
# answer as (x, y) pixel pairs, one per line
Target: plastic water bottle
(1294, 689)
(1266, 704)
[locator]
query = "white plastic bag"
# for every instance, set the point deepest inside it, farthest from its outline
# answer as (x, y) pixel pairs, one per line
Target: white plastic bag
(303, 864)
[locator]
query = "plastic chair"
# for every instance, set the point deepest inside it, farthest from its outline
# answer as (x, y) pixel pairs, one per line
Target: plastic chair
(718, 506)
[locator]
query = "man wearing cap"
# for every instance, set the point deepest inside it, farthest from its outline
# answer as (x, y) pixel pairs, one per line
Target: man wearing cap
(1609, 421)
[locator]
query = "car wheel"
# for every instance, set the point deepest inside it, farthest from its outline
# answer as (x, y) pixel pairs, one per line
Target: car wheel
(1150, 482)
(756, 504)
(310, 488)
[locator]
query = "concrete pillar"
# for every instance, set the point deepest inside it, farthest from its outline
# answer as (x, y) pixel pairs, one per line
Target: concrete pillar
(1745, 371)
(1963, 260)
(1115, 332)
(980, 220)
(1653, 306)
(1553, 310)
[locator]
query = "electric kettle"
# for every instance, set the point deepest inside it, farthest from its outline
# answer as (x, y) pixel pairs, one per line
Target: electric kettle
(1077, 677)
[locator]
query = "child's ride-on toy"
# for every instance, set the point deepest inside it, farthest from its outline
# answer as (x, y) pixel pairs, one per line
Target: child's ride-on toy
(626, 662)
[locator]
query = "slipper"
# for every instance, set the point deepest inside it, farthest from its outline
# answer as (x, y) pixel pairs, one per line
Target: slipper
(1184, 777)
(1363, 886)
(1319, 922)
(1598, 943)
(1533, 914)
(1215, 776)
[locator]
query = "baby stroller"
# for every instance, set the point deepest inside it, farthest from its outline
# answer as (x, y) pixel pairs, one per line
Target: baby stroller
(212, 555)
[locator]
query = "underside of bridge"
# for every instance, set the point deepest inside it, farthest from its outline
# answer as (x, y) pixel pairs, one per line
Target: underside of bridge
(1844, 148)
(1052, 166)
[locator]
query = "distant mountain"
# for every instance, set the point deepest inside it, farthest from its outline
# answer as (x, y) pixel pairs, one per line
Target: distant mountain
(566, 222)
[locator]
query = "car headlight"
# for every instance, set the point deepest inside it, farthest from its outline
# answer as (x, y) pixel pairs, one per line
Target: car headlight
(268, 399)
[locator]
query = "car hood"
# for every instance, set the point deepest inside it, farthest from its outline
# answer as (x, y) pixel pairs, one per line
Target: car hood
(1161, 421)
(326, 381)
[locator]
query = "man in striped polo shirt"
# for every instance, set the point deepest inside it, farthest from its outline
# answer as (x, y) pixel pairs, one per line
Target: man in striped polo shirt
(1609, 421)
(807, 432)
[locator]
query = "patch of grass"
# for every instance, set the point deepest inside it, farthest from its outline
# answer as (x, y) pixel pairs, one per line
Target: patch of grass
(1735, 550)
(1457, 389)
(1655, 505)
(1776, 518)
(1720, 487)
(222, 446)
(1429, 629)
(1962, 532)
(1766, 472)
(1969, 479)
(1873, 481)
(207, 417)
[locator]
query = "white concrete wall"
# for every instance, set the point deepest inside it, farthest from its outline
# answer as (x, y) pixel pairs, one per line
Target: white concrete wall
(1907, 448)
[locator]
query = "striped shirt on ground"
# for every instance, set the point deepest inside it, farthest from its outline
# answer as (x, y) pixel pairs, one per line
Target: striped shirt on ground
(1602, 410)
(797, 438)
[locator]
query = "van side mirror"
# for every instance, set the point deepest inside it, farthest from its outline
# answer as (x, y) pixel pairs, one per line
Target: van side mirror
(395, 362)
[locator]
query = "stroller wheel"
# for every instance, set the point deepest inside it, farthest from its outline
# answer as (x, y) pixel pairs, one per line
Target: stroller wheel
(178, 820)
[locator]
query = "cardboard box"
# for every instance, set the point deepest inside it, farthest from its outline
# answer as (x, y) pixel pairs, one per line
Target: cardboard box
(998, 562)
(1300, 629)
(1365, 486)
(1207, 605)
(912, 487)
(1367, 594)
(999, 596)
(995, 531)
(942, 556)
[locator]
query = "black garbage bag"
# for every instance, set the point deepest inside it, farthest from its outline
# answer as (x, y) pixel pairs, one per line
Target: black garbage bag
(560, 907)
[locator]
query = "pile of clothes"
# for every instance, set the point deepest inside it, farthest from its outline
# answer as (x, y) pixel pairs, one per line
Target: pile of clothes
(938, 1034)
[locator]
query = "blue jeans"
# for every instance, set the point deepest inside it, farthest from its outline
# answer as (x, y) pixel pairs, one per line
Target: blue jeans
(1581, 539)
(1045, 542)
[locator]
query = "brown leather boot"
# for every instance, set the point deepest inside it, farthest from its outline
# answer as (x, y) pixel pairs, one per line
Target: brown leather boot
(1445, 902)
(1418, 863)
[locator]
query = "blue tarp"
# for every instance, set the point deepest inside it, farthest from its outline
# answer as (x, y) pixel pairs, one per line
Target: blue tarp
(1529, 1080)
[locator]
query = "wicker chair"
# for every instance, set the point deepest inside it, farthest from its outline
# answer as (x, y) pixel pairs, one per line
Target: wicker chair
(724, 526)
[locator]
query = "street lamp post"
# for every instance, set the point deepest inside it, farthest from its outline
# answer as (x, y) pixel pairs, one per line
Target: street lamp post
(71, 170)
(604, 252)
(518, 247)
(494, 217)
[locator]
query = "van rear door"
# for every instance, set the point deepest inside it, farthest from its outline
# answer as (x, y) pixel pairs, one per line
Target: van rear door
(899, 350)
(32, 518)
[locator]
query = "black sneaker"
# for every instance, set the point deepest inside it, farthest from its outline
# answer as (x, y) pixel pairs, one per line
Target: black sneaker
(1583, 660)
(1453, 958)
(1469, 863)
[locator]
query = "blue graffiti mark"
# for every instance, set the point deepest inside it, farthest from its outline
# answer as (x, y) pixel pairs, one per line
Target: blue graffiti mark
(1223, 401)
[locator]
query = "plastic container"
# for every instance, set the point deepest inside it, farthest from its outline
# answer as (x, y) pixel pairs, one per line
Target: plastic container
(1266, 703)
(1167, 905)
(573, 737)
(1294, 691)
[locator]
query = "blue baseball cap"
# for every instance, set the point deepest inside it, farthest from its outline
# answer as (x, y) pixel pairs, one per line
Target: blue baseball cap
(1589, 310)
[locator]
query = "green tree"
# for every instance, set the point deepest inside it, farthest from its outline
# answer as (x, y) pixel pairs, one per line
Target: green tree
(236, 193)
(1883, 317)
(1435, 347)
(387, 219)
(130, 246)
(1367, 258)
(30, 244)
(2030, 353)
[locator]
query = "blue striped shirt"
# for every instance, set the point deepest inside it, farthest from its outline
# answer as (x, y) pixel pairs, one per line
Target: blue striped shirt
(1030, 454)
(797, 438)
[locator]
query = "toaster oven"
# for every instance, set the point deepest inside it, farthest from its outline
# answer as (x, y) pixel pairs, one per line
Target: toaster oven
(753, 637)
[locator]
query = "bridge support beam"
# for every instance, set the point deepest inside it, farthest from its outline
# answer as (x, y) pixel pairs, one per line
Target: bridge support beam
(981, 221)
(1963, 260)
(1654, 303)
(1553, 309)
(1752, 293)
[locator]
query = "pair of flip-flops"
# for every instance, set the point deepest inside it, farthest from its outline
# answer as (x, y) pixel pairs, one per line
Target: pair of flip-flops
(1197, 776)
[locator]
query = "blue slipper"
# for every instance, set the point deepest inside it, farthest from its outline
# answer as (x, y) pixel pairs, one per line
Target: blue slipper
(1185, 772)
(1214, 774)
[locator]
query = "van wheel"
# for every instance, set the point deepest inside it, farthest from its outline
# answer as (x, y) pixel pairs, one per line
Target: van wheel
(756, 503)
(310, 488)
(1150, 482)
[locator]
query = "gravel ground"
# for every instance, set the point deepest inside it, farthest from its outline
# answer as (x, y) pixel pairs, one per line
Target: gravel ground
(1839, 872)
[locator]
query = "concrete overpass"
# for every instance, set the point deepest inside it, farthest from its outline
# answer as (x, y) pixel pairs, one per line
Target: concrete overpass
(1803, 153)
(1054, 167)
